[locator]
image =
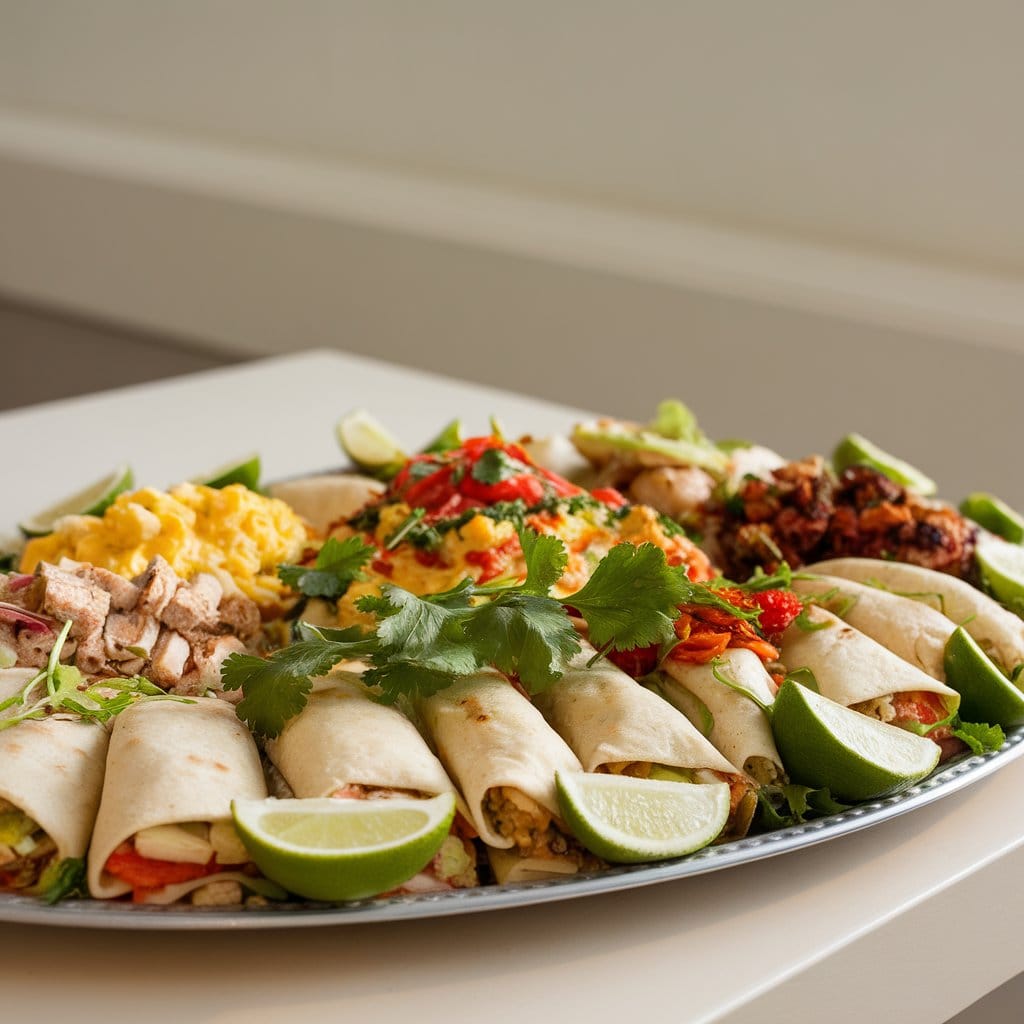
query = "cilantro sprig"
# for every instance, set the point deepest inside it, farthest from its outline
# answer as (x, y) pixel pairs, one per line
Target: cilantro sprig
(338, 563)
(423, 644)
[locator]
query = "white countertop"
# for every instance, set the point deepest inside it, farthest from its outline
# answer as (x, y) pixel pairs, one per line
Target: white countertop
(915, 915)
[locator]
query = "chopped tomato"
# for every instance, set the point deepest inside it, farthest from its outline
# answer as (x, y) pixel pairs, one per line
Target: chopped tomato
(495, 562)
(610, 497)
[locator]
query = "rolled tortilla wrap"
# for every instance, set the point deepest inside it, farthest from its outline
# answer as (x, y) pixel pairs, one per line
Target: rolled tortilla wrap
(171, 763)
(738, 727)
(503, 756)
(998, 632)
(912, 630)
(344, 743)
(854, 670)
(324, 499)
(52, 771)
(613, 724)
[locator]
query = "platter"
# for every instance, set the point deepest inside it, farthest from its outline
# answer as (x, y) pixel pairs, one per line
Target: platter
(951, 778)
(83, 913)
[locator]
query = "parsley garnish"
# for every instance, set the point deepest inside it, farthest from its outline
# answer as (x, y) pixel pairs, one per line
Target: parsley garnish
(981, 738)
(422, 644)
(338, 563)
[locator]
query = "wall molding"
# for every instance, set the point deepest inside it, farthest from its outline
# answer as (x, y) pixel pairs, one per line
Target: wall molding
(871, 288)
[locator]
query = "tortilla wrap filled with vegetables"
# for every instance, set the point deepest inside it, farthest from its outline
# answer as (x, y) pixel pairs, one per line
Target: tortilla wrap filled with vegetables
(999, 632)
(614, 724)
(173, 764)
(344, 744)
(503, 757)
(852, 669)
(735, 724)
(51, 776)
(912, 630)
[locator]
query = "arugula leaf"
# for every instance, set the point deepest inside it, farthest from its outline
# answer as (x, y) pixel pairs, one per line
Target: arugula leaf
(524, 635)
(981, 738)
(630, 599)
(716, 671)
(496, 465)
(338, 563)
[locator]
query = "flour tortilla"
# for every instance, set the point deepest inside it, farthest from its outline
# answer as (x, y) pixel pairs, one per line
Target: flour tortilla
(487, 734)
(912, 630)
(606, 717)
(52, 770)
(739, 728)
(324, 499)
(849, 667)
(343, 737)
(171, 763)
(998, 632)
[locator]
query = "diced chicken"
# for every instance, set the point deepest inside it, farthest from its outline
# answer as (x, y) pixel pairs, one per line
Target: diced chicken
(156, 586)
(67, 597)
(169, 658)
(129, 635)
(193, 607)
(209, 656)
(123, 593)
(240, 615)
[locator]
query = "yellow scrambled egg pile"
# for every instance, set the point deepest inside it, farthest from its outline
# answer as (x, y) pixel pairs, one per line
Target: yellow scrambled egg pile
(232, 532)
(485, 549)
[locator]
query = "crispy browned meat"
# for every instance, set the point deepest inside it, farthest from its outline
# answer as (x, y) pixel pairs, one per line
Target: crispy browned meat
(804, 513)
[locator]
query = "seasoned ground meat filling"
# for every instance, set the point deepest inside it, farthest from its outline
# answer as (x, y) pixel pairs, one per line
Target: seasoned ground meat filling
(804, 514)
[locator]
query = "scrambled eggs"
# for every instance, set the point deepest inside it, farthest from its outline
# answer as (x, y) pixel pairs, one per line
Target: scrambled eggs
(234, 533)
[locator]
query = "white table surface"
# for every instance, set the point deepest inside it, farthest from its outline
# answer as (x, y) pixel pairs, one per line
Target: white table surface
(913, 919)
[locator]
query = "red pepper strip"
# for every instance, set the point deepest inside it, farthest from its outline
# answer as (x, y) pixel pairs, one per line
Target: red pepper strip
(145, 875)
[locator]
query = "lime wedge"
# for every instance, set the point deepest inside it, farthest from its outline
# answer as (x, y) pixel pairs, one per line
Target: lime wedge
(327, 849)
(855, 450)
(93, 501)
(995, 515)
(986, 695)
(1002, 571)
(245, 471)
(824, 744)
(369, 444)
(627, 820)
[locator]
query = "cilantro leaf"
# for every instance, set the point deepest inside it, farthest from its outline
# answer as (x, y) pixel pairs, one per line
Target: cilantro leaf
(981, 738)
(630, 600)
(406, 678)
(791, 804)
(338, 563)
(546, 559)
(524, 635)
(495, 466)
(273, 691)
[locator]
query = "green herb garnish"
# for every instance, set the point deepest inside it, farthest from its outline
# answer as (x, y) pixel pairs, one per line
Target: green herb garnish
(338, 563)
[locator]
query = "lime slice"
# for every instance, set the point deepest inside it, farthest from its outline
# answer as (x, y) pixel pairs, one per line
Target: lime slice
(327, 849)
(995, 515)
(627, 820)
(370, 445)
(93, 501)
(824, 744)
(1002, 571)
(245, 471)
(855, 450)
(986, 695)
